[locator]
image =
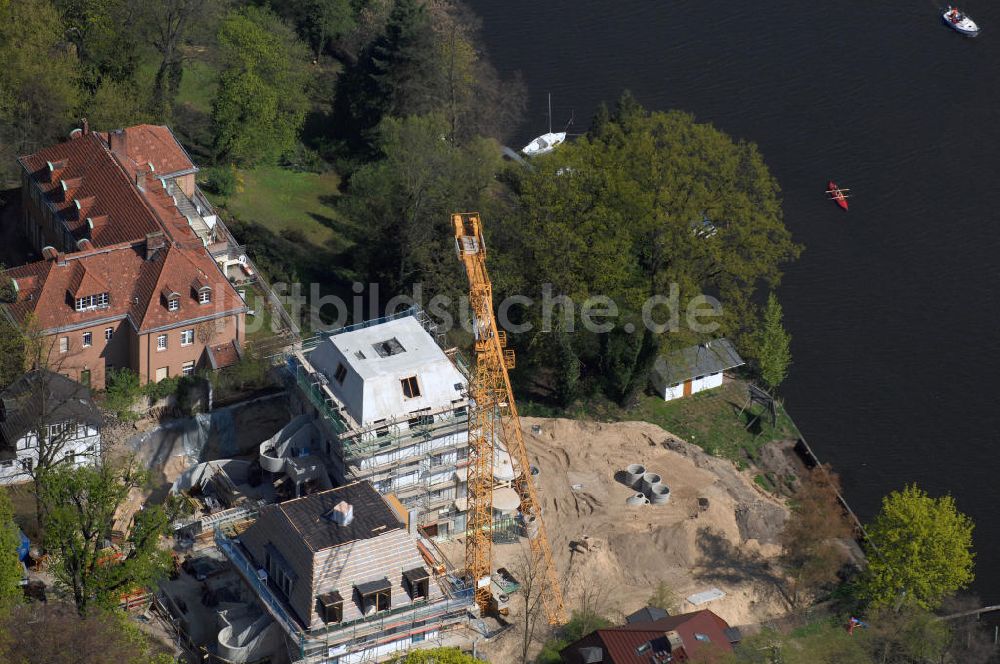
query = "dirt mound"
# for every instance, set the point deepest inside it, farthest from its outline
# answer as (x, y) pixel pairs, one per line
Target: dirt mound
(719, 529)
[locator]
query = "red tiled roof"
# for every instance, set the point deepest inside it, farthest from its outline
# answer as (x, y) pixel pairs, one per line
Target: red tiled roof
(223, 355)
(90, 172)
(134, 285)
(621, 644)
(85, 282)
(183, 266)
(156, 145)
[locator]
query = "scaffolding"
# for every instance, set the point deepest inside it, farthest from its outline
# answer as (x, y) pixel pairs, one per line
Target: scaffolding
(415, 457)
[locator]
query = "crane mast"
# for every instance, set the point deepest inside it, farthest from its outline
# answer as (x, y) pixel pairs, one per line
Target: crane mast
(493, 420)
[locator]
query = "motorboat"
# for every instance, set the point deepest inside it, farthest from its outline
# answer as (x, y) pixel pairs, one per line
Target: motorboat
(959, 21)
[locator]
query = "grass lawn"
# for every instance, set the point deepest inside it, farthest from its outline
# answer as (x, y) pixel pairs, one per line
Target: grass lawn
(283, 200)
(708, 419)
(198, 85)
(711, 420)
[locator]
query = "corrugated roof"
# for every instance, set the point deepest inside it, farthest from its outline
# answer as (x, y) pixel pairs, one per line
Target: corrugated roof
(695, 361)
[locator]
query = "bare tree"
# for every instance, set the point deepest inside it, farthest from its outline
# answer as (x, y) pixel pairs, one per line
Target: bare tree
(528, 570)
(167, 24)
(44, 407)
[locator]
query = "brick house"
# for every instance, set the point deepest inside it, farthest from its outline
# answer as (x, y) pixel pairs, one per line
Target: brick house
(127, 279)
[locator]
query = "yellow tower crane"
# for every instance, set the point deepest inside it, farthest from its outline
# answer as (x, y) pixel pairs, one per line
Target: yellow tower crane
(494, 420)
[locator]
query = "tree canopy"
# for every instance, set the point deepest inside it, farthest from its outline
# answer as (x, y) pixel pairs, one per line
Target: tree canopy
(919, 551)
(771, 347)
(436, 656)
(10, 566)
(38, 79)
(404, 201)
(647, 204)
(260, 105)
(80, 506)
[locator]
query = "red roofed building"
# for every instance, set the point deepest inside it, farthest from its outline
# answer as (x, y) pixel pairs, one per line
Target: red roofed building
(127, 279)
(672, 640)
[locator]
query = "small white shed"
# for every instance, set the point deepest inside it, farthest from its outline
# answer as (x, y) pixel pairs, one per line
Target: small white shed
(693, 369)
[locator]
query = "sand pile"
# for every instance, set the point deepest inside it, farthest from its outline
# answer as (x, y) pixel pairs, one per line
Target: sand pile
(719, 529)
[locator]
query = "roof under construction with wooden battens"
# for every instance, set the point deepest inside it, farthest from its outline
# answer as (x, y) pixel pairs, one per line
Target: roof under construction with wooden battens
(309, 516)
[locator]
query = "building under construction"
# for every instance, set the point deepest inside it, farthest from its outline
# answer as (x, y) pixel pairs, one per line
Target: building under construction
(392, 408)
(344, 576)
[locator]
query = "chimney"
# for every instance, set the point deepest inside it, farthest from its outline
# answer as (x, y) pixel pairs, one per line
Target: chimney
(675, 640)
(118, 144)
(140, 175)
(342, 514)
(61, 259)
(154, 242)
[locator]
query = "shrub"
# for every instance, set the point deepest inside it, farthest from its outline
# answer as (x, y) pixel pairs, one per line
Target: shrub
(222, 180)
(121, 392)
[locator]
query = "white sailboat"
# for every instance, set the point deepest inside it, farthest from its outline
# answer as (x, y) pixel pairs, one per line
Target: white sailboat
(546, 142)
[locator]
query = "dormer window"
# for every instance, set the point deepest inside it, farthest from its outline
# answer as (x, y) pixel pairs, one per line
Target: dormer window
(91, 302)
(173, 304)
(202, 290)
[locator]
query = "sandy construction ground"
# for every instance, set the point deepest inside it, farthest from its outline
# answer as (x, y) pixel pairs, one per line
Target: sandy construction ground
(728, 544)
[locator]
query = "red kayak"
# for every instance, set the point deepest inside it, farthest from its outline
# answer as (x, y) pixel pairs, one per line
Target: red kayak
(837, 194)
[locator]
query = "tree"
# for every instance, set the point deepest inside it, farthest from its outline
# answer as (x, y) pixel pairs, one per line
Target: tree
(80, 506)
(396, 75)
(59, 636)
(11, 352)
(318, 22)
(911, 636)
(664, 597)
(812, 552)
(771, 348)
(10, 566)
(919, 551)
(260, 104)
(116, 104)
(405, 202)
(38, 80)
(103, 32)
(529, 571)
(166, 24)
(646, 205)
(435, 656)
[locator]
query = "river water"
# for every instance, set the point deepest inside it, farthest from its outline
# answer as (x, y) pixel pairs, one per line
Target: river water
(893, 305)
